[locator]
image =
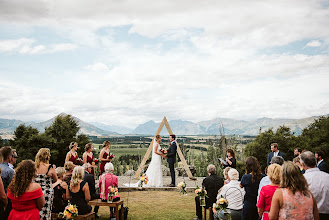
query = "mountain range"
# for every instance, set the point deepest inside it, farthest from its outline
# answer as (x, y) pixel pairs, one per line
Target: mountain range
(179, 127)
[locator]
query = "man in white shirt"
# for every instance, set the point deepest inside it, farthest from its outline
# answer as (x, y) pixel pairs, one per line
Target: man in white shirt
(317, 183)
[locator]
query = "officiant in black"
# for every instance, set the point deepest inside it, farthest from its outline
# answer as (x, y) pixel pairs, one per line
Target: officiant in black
(230, 160)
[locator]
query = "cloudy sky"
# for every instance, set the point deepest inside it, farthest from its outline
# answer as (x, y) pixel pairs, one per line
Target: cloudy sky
(127, 62)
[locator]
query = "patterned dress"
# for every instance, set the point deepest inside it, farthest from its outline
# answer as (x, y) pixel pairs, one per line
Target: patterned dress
(45, 182)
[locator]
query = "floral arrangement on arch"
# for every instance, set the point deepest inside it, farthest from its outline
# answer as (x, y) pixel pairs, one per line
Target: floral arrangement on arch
(143, 180)
(70, 212)
(182, 188)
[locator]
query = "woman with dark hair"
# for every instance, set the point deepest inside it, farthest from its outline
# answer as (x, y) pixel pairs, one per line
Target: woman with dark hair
(104, 155)
(88, 157)
(26, 196)
(230, 159)
(293, 200)
(250, 182)
(72, 155)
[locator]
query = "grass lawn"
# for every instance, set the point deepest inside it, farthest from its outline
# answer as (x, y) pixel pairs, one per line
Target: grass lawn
(160, 205)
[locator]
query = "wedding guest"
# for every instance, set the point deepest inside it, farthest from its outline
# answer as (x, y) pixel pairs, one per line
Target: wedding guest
(46, 175)
(266, 193)
(89, 178)
(72, 155)
(321, 164)
(105, 180)
(26, 196)
(13, 159)
(266, 180)
(297, 152)
(3, 199)
(293, 200)
(68, 166)
(6, 174)
(275, 152)
(225, 173)
(60, 186)
(88, 157)
(104, 155)
(212, 183)
(230, 159)
(78, 191)
(317, 183)
(234, 194)
(296, 161)
(250, 181)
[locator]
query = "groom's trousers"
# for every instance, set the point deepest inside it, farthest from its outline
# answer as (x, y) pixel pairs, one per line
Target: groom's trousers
(172, 172)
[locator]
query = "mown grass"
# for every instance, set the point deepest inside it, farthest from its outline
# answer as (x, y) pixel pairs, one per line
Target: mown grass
(161, 205)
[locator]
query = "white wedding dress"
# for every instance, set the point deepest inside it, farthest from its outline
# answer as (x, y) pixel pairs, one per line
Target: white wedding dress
(154, 171)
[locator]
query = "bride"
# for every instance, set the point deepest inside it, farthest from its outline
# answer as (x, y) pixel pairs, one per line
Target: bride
(154, 171)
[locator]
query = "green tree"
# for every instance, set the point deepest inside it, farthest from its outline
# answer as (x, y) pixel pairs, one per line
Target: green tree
(1, 142)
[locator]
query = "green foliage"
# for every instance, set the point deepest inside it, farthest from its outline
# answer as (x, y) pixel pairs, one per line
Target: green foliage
(1, 142)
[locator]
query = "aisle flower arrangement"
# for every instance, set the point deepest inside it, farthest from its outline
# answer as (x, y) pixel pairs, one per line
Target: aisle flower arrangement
(202, 193)
(182, 188)
(143, 180)
(221, 205)
(113, 191)
(69, 213)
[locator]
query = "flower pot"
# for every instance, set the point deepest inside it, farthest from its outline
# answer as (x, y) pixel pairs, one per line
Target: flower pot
(110, 199)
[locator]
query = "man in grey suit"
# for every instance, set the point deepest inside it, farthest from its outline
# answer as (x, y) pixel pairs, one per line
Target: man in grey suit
(275, 152)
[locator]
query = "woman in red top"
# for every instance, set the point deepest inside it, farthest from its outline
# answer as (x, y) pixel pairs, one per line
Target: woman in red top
(266, 193)
(72, 155)
(26, 196)
(88, 157)
(104, 155)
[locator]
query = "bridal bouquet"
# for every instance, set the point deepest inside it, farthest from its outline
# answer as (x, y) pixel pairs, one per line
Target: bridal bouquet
(182, 187)
(164, 151)
(70, 212)
(221, 205)
(143, 180)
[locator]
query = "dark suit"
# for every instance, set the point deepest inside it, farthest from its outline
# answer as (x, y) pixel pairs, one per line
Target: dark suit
(211, 184)
(91, 183)
(171, 159)
(270, 155)
(323, 166)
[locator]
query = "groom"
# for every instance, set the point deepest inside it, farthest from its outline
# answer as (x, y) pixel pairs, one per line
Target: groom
(171, 158)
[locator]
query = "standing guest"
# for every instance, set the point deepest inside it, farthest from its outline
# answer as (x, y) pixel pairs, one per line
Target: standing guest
(68, 166)
(26, 196)
(60, 186)
(104, 155)
(6, 174)
(89, 178)
(230, 159)
(46, 175)
(297, 152)
(266, 193)
(318, 183)
(3, 199)
(225, 173)
(293, 200)
(250, 181)
(321, 164)
(105, 180)
(212, 183)
(234, 194)
(78, 191)
(88, 157)
(275, 152)
(72, 155)
(296, 161)
(13, 159)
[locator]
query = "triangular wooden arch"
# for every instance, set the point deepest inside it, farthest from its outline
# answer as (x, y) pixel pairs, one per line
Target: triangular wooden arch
(164, 122)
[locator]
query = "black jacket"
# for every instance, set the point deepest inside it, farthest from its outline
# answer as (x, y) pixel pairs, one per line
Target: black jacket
(323, 166)
(91, 182)
(171, 153)
(212, 184)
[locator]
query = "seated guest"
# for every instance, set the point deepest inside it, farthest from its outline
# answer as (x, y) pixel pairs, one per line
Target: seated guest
(89, 178)
(68, 166)
(293, 200)
(266, 193)
(297, 152)
(60, 186)
(78, 191)
(234, 194)
(225, 173)
(212, 183)
(3, 198)
(250, 182)
(318, 183)
(296, 161)
(266, 180)
(230, 159)
(321, 164)
(26, 196)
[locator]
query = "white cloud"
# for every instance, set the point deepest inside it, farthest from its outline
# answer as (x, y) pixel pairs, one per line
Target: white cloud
(313, 43)
(97, 67)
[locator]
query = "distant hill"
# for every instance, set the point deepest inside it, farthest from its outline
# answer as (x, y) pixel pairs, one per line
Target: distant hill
(113, 128)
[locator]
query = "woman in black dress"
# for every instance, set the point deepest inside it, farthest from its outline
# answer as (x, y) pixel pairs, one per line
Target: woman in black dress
(230, 159)
(78, 191)
(60, 186)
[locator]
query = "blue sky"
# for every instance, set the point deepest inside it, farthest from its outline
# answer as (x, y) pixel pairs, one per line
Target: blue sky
(127, 62)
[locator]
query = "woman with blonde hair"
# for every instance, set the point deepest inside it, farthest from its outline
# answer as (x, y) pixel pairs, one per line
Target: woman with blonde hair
(104, 155)
(72, 155)
(78, 191)
(26, 196)
(266, 193)
(293, 200)
(59, 187)
(46, 175)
